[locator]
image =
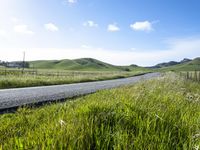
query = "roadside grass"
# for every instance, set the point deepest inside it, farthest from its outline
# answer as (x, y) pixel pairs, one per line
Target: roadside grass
(14, 79)
(162, 113)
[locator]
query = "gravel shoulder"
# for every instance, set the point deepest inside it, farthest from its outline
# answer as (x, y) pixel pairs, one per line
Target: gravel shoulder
(10, 98)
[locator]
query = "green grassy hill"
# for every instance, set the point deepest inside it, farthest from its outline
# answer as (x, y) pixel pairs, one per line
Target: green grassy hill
(90, 64)
(76, 64)
(85, 64)
(187, 66)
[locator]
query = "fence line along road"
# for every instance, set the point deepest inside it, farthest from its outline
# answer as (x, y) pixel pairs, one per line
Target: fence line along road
(11, 98)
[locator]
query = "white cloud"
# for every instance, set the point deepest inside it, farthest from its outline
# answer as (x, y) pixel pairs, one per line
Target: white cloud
(3, 33)
(90, 23)
(51, 27)
(71, 1)
(142, 26)
(85, 46)
(177, 50)
(133, 48)
(14, 19)
(23, 29)
(113, 27)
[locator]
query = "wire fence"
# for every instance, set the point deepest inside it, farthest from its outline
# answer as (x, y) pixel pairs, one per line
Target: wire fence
(54, 73)
(17, 72)
(191, 75)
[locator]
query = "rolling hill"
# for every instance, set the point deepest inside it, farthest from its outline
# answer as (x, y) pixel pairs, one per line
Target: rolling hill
(171, 63)
(85, 64)
(90, 64)
(184, 65)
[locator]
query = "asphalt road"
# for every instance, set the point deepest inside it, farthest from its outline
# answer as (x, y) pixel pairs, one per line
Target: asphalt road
(12, 98)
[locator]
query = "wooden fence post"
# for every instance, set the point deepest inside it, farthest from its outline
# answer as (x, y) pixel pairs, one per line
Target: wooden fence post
(187, 76)
(5, 72)
(36, 72)
(195, 76)
(191, 75)
(199, 76)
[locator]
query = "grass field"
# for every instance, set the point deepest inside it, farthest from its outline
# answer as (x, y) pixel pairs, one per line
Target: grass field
(162, 114)
(12, 78)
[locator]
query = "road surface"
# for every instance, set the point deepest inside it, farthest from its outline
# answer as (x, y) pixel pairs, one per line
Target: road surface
(12, 98)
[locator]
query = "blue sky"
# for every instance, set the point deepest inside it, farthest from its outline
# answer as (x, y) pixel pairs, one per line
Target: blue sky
(120, 32)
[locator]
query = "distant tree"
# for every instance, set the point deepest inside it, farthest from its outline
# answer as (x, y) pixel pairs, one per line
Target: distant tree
(26, 65)
(126, 69)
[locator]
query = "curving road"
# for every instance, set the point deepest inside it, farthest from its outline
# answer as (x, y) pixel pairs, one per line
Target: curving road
(11, 98)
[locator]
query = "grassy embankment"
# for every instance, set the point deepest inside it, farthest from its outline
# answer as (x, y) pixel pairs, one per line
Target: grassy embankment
(14, 79)
(163, 113)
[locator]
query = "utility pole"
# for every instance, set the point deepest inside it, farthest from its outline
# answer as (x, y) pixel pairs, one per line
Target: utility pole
(23, 62)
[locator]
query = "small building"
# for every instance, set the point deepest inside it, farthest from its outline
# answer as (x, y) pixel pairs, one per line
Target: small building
(14, 65)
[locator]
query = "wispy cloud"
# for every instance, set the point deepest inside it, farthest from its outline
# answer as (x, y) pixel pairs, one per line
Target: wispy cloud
(51, 27)
(113, 27)
(71, 1)
(133, 48)
(23, 29)
(85, 46)
(90, 23)
(142, 26)
(3, 33)
(14, 19)
(177, 50)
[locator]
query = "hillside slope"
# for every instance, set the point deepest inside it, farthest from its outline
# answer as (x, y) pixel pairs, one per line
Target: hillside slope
(171, 63)
(186, 66)
(79, 64)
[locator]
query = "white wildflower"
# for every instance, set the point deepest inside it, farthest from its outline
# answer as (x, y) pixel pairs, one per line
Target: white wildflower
(159, 117)
(62, 122)
(196, 147)
(196, 136)
(193, 97)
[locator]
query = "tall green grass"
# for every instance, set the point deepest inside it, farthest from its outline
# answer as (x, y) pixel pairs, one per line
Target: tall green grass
(13, 78)
(162, 114)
